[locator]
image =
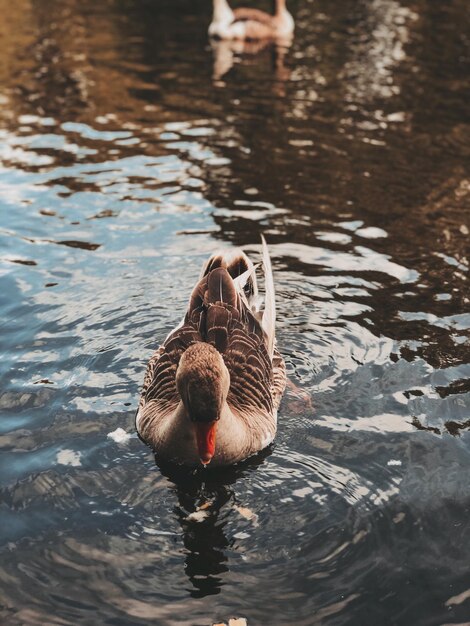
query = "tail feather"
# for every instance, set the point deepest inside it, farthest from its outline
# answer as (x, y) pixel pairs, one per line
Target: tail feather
(237, 264)
(216, 260)
(220, 288)
(230, 278)
(241, 283)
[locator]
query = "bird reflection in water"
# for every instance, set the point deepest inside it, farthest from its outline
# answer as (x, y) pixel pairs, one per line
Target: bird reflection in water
(228, 53)
(206, 500)
(246, 32)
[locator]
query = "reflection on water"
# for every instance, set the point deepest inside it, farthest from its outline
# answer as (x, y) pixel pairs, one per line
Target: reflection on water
(377, 48)
(131, 149)
(226, 53)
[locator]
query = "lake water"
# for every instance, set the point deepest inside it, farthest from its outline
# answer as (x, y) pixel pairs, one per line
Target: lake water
(129, 151)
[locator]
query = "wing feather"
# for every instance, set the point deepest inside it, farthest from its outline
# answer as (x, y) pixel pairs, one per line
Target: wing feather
(221, 312)
(269, 314)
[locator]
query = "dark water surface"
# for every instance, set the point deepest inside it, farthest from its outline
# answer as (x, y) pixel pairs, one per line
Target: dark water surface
(129, 151)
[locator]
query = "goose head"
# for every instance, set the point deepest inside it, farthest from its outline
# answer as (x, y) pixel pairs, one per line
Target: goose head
(203, 382)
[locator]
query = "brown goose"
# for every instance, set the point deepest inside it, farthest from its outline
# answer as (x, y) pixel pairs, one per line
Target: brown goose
(250, 24)
(212, 390)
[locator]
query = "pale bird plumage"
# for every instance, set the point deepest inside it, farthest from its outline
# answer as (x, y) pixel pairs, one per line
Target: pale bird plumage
(269, 316)
(212, 390)
(250, 24)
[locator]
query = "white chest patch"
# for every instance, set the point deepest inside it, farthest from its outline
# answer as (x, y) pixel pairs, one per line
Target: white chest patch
(267, 439)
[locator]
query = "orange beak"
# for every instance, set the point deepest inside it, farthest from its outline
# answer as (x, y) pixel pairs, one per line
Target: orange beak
(205, 435)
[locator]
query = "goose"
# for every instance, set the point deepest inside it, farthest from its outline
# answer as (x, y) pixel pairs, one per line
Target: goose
(250, 24)
(211, 392)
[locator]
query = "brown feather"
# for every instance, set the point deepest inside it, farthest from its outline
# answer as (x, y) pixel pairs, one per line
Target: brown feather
(258, 30)
(244, 14)
(230, 327)
(218, 316)
(220, 288)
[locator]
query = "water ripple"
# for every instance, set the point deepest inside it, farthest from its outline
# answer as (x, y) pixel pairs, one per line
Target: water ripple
(130, 150)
